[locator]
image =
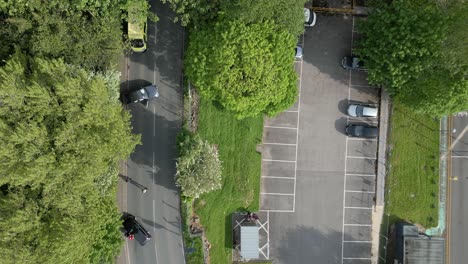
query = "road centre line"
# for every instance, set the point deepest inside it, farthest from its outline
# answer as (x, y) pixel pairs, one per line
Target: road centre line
(154, 121)
(357, 157)
(153, 169)
(360, 175)
(359, 208)
(154, 232)
(358, 225)
(290, 161)
(280, 144)
(284, 194)
(280, 127)
(359, 191)
(278, 177)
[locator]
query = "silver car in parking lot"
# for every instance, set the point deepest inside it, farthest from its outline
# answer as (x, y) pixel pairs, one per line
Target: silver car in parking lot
(362, 110)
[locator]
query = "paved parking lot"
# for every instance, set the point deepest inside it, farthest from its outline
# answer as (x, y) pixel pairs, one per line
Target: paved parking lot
(317, 184)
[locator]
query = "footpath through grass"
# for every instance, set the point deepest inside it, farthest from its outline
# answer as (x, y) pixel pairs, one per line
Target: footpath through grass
(413, 182)
(236, 140)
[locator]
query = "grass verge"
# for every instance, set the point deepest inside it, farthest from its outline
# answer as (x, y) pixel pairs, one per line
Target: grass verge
(236, 140)
(413, 181)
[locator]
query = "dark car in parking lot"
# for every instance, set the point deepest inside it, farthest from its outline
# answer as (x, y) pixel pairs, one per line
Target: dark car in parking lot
(134, 230)
(362, 131)
(353, 63)
(142, 95)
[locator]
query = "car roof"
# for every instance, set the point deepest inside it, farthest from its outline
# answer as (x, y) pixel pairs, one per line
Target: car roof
(152, 91)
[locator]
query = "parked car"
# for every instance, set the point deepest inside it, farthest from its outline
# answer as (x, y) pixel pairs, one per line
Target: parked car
(352, 63)
(142, 95)
(362, 110)
(310, 17)
(134, 230)
(298, 51)
(362, 131)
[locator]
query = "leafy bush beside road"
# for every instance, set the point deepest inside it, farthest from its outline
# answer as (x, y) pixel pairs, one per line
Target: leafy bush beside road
(198, 166)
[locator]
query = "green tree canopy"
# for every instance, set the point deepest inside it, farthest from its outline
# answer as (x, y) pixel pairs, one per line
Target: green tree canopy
(62, 134)
(87, 33)
(198, 166)
(248, 69)
(417, 50)
(287, 14)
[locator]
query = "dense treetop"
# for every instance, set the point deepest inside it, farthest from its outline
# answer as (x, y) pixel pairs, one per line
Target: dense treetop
(62, 134)
(247, 68)
(417, 50)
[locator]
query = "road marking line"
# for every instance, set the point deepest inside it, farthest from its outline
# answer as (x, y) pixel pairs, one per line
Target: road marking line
(360, 191)
(276, 211)
(362, 139)
(284, 194)
(458, 138)
(280, 144)
(356, 207)
(279, 160)
(291, 111)
(461, 157)
(278, 177)
(358, 225)
(360, 175)
(357, 241)
(154, 121)
(154, 231)
(358, 258)
(357, 157)
(154, 176)
(297, 125)
(360, 85)
(280, 127)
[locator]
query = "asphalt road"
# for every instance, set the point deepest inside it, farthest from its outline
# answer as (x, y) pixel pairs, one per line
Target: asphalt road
(458, 191)
(152, 165)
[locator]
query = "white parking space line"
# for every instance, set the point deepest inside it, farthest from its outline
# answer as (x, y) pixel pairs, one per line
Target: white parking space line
(360, 208)
(277, 211)
(358, 258)
(466, 157)
(356, 225)
(360, 175)
(284, 194)
(278, 177)
(357, 241)
(280, 144)
(367, 139)
(359, 85)
(356, 157)
(291, 111)
(290, 161)
(279, 127)
(359, 191)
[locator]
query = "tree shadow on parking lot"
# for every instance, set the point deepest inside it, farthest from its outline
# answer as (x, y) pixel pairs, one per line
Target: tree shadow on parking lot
(309, 245)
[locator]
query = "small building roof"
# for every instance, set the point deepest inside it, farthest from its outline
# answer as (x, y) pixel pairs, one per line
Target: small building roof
(249, 241)
(414, 247)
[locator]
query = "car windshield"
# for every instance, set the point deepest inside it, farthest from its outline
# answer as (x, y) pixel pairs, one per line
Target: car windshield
(137, 43)
(359, 110)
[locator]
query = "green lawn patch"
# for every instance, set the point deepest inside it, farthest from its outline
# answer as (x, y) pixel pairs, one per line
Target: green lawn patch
(236, 141)
(413, 181)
